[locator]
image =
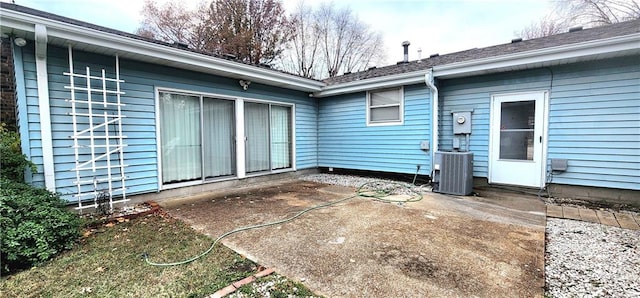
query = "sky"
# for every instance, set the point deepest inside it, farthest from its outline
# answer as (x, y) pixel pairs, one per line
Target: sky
(433, 26)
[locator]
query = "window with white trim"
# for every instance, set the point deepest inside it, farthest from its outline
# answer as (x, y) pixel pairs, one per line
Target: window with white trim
(385, 107)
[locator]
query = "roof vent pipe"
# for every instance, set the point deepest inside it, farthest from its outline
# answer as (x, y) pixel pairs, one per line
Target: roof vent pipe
(405, 45)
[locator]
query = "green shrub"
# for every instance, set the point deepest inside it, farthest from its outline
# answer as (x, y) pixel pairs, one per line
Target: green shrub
(12, 161)
(34, 225)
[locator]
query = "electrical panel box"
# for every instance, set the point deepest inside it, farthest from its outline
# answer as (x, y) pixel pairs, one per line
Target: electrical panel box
(453, 173)
(461, 123)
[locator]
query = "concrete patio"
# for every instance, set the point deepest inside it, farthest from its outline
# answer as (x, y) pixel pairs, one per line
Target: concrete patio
(441, 246)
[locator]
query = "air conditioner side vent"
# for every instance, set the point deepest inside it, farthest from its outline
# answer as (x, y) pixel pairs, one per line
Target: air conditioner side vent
(453, 173)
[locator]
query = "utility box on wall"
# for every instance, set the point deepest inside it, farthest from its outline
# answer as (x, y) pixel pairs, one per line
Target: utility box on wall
(461, 123)
(453, 173)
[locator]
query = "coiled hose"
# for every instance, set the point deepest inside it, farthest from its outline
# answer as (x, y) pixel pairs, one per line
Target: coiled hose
(377, 190)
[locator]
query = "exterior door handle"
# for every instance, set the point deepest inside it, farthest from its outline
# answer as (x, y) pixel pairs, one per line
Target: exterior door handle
(540, 139)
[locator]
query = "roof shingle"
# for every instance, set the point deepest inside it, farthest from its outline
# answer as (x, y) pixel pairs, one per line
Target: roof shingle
(619, 29)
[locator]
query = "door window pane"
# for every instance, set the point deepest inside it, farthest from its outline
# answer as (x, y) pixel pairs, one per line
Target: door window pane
(256, 125)
(180, 137)
(517, 123)
(218, 136)
(280, 137)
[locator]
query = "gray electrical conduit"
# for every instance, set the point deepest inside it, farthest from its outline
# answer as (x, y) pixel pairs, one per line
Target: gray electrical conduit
(372, 190)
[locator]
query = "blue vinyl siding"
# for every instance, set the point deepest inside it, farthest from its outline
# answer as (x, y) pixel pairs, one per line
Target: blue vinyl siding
(345, 140)
(474, 94)
(139, 124)
(21, 105)
(594, 119)
(30, 135)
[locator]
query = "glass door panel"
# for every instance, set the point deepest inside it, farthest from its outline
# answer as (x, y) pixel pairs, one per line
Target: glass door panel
(218, 137)
(256, 125)
(280, 137)
(180, 137)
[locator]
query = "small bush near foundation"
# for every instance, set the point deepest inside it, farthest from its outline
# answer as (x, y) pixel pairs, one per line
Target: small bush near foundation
(12, 162)
(34, 225)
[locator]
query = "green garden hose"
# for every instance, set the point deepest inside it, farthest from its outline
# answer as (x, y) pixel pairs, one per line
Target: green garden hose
(378, 190)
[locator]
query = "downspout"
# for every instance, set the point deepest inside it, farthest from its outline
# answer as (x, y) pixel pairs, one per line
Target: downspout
(429, 80)
(43, 103)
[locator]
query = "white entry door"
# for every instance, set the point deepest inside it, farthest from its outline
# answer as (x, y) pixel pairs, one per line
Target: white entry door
(517, 139)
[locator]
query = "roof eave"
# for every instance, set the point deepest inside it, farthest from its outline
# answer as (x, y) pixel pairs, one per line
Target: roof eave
(623, 45)
(402, 79)
(627, 44)
(187, 59)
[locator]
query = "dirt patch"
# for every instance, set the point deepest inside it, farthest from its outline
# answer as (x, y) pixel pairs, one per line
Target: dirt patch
(439, 247)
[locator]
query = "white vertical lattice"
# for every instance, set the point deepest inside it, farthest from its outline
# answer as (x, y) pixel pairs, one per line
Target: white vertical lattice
(98, 142)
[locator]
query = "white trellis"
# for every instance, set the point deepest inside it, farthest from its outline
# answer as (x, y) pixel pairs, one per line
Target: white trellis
(98, 142)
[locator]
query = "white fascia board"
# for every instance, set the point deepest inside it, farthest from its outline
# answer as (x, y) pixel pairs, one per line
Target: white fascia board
(541, 56)
(79, 34)
(402, 79)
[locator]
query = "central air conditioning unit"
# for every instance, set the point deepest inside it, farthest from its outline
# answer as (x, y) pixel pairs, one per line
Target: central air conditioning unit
(453, 173)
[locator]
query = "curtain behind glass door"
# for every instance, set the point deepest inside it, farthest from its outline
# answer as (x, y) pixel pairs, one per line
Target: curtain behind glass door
(218, 135)
(280, 137)
(180, 137)
(256, 125)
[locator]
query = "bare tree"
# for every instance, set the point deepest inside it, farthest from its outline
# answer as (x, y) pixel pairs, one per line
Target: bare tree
(254, 31)
(304, 47)
(601, 12)
(545, 27)
(590, 13)
(347, 43)
(329, 41)
(171, 22)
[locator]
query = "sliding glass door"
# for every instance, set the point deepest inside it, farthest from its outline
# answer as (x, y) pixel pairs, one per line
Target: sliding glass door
(197, 137)
(268, 137)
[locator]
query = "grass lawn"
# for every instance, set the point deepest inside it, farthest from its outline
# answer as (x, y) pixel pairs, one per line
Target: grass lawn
(108, 263)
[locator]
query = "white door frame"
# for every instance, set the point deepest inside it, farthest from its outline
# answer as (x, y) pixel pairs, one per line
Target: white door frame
(544, 133)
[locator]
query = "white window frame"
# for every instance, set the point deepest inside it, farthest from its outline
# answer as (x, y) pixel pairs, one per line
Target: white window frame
(240, 136)
(400, 105)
